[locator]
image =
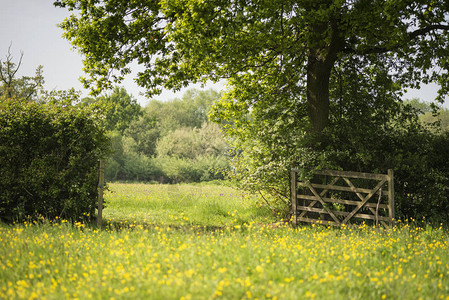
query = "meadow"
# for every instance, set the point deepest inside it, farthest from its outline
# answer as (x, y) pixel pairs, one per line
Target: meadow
(210, 241)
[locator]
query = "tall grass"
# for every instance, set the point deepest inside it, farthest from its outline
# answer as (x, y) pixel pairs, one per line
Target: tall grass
(182, 258)
(182, 204)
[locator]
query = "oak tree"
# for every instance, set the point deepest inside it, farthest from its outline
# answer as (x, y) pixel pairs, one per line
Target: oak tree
(288, 47)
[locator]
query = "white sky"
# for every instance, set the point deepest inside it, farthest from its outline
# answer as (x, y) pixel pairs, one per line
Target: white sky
(30, 26)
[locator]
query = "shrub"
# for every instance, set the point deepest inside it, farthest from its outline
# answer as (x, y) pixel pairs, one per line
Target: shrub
(49, 160)
(140, 167)
(179, 169)
(363, 136)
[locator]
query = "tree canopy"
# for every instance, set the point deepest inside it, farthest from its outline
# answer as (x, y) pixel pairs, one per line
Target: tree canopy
(119, 107)
(278, 48)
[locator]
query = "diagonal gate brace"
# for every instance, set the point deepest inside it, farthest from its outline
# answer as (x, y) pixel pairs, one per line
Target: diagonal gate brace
(318, 197)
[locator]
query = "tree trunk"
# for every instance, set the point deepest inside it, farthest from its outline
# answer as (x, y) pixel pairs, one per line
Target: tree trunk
(318, 75)
(320, 61)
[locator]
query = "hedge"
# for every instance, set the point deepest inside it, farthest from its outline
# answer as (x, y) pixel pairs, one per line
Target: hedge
(49, 160)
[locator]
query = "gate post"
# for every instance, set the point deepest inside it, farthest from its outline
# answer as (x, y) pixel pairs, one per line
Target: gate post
(293, 197)
(100, 194)
(391, 195)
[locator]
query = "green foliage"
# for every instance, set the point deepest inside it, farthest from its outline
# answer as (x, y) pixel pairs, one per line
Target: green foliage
(192, 142)
(114, 163)
(431, 116)
(190, 154)
(311, 83)
(201, 168)
(119, 107)
(138, 167)
(49, 160)
(172, 141)
(143, 134)
(436, 121)
(421, 106)
(370, 131)
(191, 110)
(276, 48)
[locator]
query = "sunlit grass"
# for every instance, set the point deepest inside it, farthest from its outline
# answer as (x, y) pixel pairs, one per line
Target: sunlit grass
(244, 259)
(181, 204)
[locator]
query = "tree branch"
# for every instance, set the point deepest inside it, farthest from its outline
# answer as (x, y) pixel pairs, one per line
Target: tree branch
(422, 31)
(411, 36)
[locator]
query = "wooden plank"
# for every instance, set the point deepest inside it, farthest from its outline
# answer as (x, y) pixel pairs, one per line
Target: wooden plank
(343, 213)
(373, 191)
(323, 192)
(322, 202)
(362, 216)
(391, 194)
(349, 183)
(294, 198)
(373, 205)
(312, 209)
(341, 201)
(316, 221)
(351, 174)
(339, 188)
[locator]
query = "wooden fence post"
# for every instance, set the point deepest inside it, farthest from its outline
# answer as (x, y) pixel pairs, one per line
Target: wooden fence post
(294, 198)
(100, 194)
(391, 195)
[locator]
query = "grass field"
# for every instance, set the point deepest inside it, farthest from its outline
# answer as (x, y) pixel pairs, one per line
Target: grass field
(206, 242)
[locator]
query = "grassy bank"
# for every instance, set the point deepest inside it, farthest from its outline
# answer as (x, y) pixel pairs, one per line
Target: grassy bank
(171, 247)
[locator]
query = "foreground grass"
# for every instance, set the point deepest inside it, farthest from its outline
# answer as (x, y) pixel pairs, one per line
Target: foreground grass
(232, 261)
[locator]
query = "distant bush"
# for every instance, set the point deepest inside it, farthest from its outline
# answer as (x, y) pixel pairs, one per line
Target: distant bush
(49, 160)
(183, 155)
(139, 167)
(202, 168)
(194, 154)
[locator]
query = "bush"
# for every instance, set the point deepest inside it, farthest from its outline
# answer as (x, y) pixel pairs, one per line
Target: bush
(365, 136)
(202, 168)
(417, 155)
(48, 160)
(139, 167)
(422, 177)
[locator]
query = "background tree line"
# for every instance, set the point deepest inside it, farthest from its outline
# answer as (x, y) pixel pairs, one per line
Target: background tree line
(165, 141)
(431, 116)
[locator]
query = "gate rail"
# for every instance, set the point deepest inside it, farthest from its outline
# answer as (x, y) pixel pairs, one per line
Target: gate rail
(322, 203)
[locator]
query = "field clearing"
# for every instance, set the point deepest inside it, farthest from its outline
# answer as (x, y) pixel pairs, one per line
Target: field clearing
(182, 205)
(206, 242)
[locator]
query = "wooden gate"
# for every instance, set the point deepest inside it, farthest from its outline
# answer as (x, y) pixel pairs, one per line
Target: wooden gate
(336, 197)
